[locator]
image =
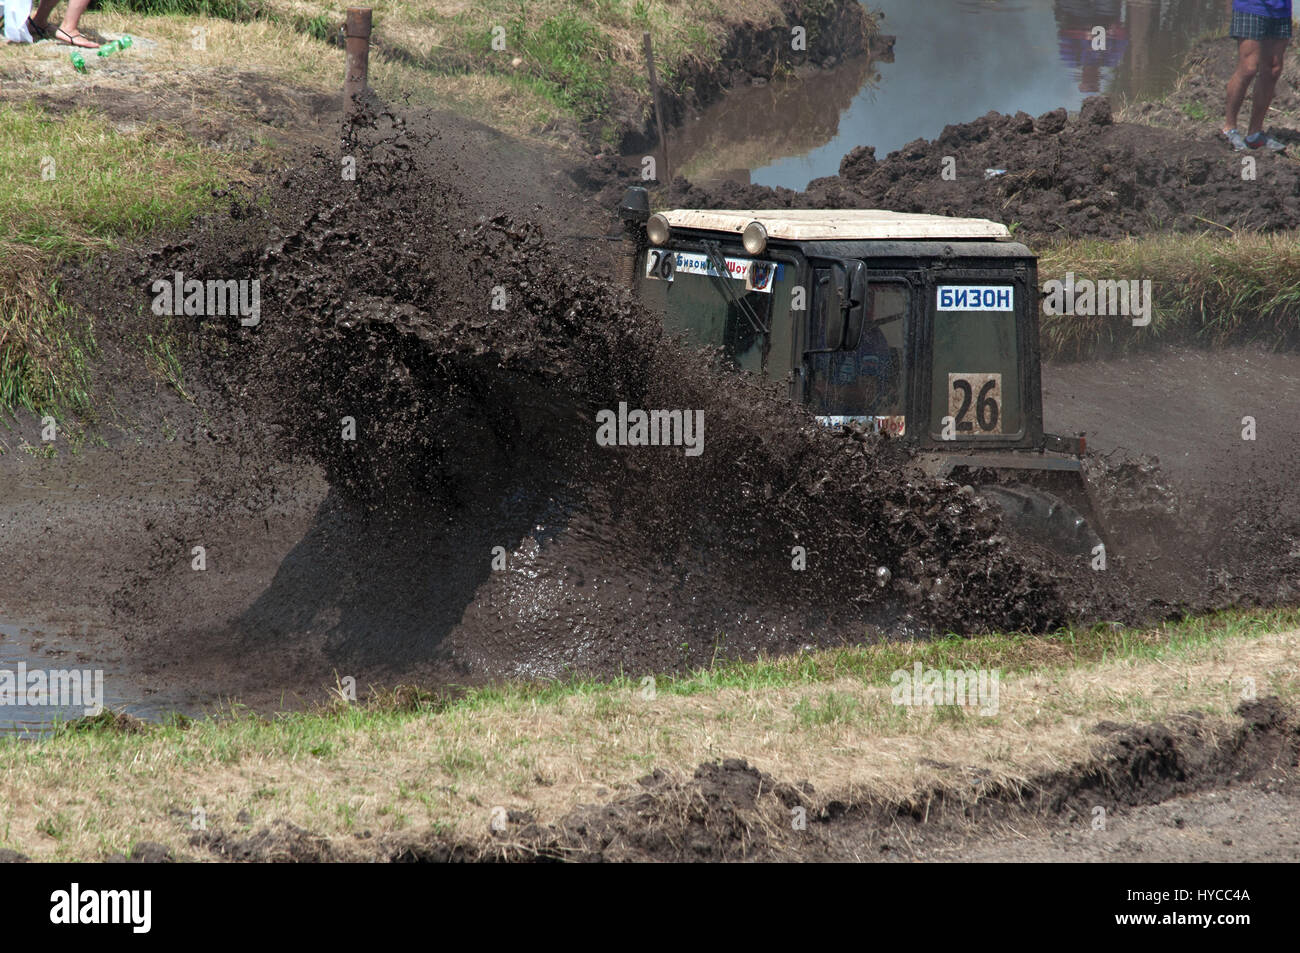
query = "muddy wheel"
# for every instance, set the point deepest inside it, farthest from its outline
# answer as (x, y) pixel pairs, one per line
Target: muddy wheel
(1042, 517)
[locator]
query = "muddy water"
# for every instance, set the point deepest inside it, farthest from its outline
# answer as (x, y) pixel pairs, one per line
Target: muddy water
(953, 60)
(30, 648)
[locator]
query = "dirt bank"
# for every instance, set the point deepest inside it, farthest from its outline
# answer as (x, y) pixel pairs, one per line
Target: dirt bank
(1192, 789)
(1058, 176)
(755, 53)
(1195, 106)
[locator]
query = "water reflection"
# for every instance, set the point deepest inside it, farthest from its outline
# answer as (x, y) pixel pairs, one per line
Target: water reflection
(761, 124)
(955, 60)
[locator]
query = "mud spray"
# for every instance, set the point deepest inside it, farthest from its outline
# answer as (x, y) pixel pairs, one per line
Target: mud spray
(442, 362)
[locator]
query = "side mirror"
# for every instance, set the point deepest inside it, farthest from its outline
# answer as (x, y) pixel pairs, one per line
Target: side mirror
(853, 304)
(832, 296)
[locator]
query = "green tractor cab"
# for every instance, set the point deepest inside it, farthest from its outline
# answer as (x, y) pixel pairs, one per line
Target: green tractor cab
(923, 327)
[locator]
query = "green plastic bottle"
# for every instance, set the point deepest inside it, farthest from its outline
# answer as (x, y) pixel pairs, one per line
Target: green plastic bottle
(108, 49)
(78, 62)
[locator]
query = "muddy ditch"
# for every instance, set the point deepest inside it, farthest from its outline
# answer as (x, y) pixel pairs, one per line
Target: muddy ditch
(475, 429)
(754, 54)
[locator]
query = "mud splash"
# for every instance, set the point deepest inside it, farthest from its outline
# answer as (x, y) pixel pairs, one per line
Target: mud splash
(475, 530)
(475, 427)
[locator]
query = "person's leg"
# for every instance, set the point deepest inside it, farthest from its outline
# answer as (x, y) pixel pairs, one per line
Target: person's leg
(1271, 54)
(42, 15)
(1248, 57)
(68, 32)
(72, 16)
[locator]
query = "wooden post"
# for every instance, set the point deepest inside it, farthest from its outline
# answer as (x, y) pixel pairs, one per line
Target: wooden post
(666, 178)
(356, 32)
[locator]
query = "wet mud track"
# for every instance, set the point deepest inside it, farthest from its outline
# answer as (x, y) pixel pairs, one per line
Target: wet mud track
(377, 557)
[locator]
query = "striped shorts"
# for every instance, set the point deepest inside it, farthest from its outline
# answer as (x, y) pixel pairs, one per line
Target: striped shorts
(1252, 26)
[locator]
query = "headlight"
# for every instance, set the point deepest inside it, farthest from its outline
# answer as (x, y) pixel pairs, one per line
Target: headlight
(656, 229)
(754, 238)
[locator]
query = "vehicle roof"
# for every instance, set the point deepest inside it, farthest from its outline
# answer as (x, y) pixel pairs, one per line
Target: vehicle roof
(838, 224)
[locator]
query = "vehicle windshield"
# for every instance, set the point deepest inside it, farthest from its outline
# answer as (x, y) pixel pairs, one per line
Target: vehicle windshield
(693, 299)
(866, 382)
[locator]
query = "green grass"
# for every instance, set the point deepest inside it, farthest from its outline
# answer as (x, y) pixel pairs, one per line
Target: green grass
(70, 183)
(322, 26)
(44, 359)
(162, 358)
(105, 185)
(575, 59)
(1214, 288)
(834, 709)
(315, 734)
(240, 11)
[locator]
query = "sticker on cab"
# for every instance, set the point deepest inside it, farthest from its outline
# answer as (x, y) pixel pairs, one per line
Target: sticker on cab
(666, 264)
(660, 264)
(977, 298)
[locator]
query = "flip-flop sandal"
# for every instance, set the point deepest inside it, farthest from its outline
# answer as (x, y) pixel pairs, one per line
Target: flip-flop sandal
(38, 33)
(72, 38)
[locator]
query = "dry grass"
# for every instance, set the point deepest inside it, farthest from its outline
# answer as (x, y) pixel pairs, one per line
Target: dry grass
(401, 773)
(1213, 288)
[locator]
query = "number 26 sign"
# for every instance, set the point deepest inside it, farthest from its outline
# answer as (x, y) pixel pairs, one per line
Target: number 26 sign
(975, 402)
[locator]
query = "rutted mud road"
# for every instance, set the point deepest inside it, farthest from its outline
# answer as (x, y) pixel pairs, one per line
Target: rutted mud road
(474, 430)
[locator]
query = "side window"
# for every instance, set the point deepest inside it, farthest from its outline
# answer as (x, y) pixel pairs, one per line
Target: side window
(870, 381)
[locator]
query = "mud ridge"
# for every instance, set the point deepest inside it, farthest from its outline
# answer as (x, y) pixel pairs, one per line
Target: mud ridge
(731, 811)
(1052, 175)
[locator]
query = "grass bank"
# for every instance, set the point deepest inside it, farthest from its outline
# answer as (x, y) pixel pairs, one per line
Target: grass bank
(1214, 288)
(71, 183)
(529, 67)
(556, 70)
(407, 765)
